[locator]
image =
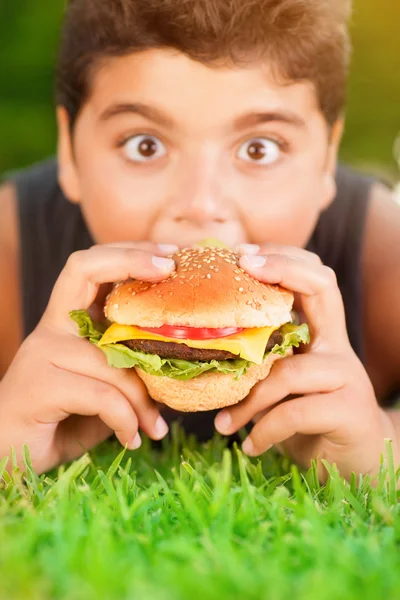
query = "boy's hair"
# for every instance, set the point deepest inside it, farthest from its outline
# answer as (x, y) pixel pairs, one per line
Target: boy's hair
(302, 40)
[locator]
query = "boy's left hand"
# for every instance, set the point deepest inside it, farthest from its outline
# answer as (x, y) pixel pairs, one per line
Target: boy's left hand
(334, 414)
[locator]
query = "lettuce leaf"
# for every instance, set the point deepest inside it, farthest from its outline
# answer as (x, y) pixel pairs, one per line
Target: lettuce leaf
(210, 241)
(293, 335)
(122, 357)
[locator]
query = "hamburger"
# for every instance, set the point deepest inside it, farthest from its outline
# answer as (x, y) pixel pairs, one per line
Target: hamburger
(203, 337)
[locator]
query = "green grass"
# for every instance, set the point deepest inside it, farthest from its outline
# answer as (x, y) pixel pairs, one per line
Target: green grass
(196, 521)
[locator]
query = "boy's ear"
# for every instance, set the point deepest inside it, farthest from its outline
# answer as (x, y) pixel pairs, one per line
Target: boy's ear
(67, 172)
(331, 162)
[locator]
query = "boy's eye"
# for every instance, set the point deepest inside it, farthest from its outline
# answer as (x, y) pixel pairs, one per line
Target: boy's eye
(262, 151)
(143, 148)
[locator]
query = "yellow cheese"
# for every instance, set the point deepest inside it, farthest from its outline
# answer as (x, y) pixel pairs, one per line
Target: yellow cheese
(249, 343)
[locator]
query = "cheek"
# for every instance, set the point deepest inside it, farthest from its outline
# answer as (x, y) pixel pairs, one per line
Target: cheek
(116, 203)
(285, 213)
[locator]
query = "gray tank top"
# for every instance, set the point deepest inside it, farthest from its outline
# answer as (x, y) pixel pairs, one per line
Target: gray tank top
(51, 228)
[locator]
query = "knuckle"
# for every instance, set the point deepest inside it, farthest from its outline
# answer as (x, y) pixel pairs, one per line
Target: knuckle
(314, 257)
(36, 347)
(289, 370)
(258, 437)
(329, 277)
(135, 255)
(110, 396)
(76, 260)
(292, 414)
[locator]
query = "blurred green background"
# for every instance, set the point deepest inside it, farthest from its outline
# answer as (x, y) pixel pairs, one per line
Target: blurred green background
(29, 33)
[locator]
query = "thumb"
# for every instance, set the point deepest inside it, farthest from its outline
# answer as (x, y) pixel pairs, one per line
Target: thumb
(78, 284)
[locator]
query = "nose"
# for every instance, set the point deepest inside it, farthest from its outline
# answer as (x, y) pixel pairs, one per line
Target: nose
(202, 195)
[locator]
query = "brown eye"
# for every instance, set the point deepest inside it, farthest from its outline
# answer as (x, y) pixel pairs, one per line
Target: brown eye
(262, 151)
(147, 148)
(144, 148)
(256, 151)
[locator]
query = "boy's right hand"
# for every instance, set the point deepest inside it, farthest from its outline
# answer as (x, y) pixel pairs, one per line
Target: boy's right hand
(59, 396)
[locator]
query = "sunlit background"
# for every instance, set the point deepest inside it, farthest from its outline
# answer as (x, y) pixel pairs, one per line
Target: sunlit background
(29, 33)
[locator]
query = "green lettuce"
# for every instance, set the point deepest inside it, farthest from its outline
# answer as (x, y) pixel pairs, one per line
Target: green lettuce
(210, 241)
(122, 357)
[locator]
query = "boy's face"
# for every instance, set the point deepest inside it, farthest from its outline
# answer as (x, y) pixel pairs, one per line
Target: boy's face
(170, 150)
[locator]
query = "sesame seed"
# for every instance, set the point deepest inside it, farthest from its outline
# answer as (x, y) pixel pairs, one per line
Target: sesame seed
(238, 279)
(241, 290)
(199, 266)
(208, 276)
(116, 305)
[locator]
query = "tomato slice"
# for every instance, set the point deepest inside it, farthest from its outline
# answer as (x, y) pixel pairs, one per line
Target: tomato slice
(192, 333)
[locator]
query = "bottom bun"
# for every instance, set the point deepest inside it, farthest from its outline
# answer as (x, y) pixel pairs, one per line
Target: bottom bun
(208, 391)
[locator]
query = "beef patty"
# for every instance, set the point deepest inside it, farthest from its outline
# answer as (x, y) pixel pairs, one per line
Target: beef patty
(173, 350)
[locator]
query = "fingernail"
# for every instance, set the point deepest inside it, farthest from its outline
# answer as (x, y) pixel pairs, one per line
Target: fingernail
(248, 446)
(161, 428)
(137, 442)
(168, 248)
(254, 261)
(248, 249)
(223, 421)
(165, 264)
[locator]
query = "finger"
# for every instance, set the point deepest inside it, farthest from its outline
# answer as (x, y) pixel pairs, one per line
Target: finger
(78, 434)
(310, 415)
(266, 249)
(80, 357)
(300, 374)
(156, 249)
(78, 283)
(80, 395)
(96, 310)
(320, 296)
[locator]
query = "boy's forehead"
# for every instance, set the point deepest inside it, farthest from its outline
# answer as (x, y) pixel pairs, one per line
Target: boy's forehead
(181, 89)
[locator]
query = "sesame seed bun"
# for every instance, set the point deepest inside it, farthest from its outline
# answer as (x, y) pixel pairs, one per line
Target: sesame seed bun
(208, 391)
(208, 289)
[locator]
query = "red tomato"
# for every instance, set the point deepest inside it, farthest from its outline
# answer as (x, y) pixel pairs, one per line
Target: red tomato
(192, 333)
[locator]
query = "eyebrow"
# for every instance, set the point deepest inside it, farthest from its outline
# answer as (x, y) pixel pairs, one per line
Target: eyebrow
(258, 118)
(144, 110)
(244, 122)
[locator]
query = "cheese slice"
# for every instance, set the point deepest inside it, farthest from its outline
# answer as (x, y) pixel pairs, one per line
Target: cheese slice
(249, 344)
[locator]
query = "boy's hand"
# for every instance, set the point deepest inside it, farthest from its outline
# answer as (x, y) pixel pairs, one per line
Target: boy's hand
(59, 396)
(334, 413)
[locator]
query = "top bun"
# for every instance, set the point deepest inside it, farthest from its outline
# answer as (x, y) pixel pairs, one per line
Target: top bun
(208, 289)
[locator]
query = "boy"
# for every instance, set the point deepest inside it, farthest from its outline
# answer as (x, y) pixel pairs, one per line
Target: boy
(180, 120)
